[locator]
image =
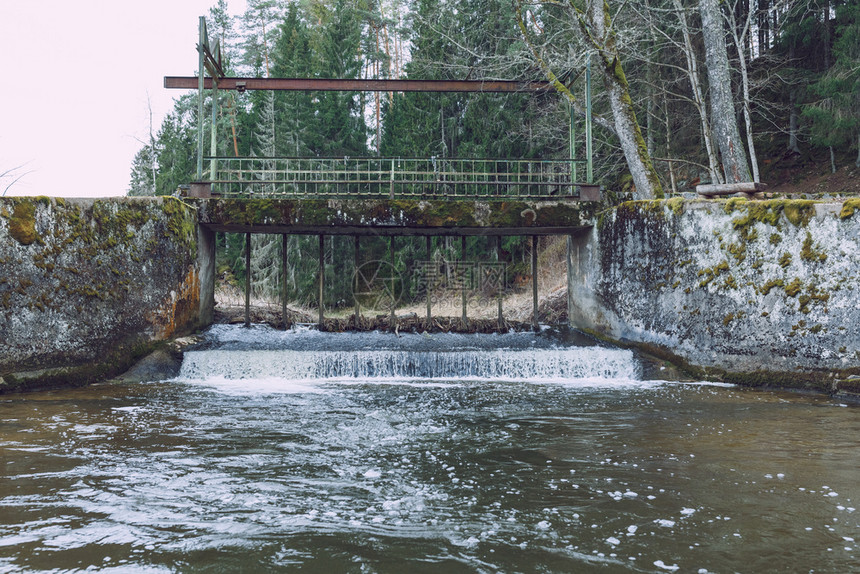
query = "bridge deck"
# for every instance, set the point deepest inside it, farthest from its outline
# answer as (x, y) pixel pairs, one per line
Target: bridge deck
(396, 217)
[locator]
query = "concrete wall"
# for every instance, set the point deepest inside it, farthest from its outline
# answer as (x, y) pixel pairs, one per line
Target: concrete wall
(755, 292)
(89, 285)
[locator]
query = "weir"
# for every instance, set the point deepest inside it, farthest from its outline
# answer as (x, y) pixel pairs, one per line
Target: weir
(303, 355)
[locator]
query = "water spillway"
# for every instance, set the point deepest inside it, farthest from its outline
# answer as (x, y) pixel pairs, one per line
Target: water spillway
(305, 355)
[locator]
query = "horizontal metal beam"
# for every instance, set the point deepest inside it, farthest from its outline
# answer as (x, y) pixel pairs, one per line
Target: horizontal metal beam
(345, 85)
(280, 229)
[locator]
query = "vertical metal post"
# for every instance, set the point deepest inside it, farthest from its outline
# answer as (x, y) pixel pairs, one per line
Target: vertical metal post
(321, 281)
(391, 191)
(463, 319)
(392, 319)
(427, 279)
(535, 283)
(357, 321)
(589, 167)
(247, 280)
(284, 239)
(502, 281)
(213, 143)
(200, 84)
(572, 139)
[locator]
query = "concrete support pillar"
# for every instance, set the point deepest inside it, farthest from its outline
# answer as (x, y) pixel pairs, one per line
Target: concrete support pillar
(583, 272)
(206, 263)
(569, 278)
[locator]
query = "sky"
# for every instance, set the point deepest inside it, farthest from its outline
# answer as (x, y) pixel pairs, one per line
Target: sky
(78, 79)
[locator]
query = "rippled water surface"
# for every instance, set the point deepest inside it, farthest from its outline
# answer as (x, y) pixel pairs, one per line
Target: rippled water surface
(265, 464)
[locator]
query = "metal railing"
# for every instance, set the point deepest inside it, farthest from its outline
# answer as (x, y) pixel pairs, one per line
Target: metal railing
(393, 177)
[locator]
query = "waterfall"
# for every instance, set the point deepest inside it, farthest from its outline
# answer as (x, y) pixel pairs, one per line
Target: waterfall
(380, 356)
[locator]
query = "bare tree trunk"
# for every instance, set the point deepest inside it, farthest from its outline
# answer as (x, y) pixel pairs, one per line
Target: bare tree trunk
(598, 31)
(668, 143)
(763, 18)
(725, 125)
(832, 160)
(792, 124)
(826, 35)
(651, 125)
(153, 162)
(857, 163)
(792, 118)
(698, 97)
(740, 42)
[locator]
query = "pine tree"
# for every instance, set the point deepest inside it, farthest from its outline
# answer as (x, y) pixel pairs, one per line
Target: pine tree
(336, 128)
(835, 114)
(290, 59)
(143, 172)
(176, 150)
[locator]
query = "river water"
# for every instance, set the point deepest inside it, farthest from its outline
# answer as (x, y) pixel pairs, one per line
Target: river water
(368, 453)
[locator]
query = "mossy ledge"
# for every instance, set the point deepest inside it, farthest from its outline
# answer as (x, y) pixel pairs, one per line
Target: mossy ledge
(844, 382)
(116, 363)
(22, 222)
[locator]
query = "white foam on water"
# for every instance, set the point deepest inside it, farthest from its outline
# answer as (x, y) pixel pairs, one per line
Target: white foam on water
(540, 365)
(258, 385)
(261, 360)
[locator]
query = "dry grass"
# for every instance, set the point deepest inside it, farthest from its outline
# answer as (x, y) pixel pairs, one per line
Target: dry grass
(516, 306)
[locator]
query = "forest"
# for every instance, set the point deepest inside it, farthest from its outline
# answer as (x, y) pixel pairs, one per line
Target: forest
(684, 91)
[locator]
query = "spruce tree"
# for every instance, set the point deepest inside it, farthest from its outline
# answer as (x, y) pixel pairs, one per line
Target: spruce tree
(835, 113)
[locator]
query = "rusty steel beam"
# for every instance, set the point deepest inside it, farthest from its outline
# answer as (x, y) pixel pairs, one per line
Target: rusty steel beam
(344, 85)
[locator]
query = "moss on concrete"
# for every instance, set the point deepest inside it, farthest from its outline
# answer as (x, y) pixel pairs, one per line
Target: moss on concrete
(676, 205)
(849, 206)
(796, 211)
(181, 222)
(22, 222)
(793, 288)
(765, 289)
(710, 273)
(401, 213)
(808, 251)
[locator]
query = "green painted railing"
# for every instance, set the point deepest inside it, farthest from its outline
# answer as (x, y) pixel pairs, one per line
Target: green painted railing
(393, 177)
